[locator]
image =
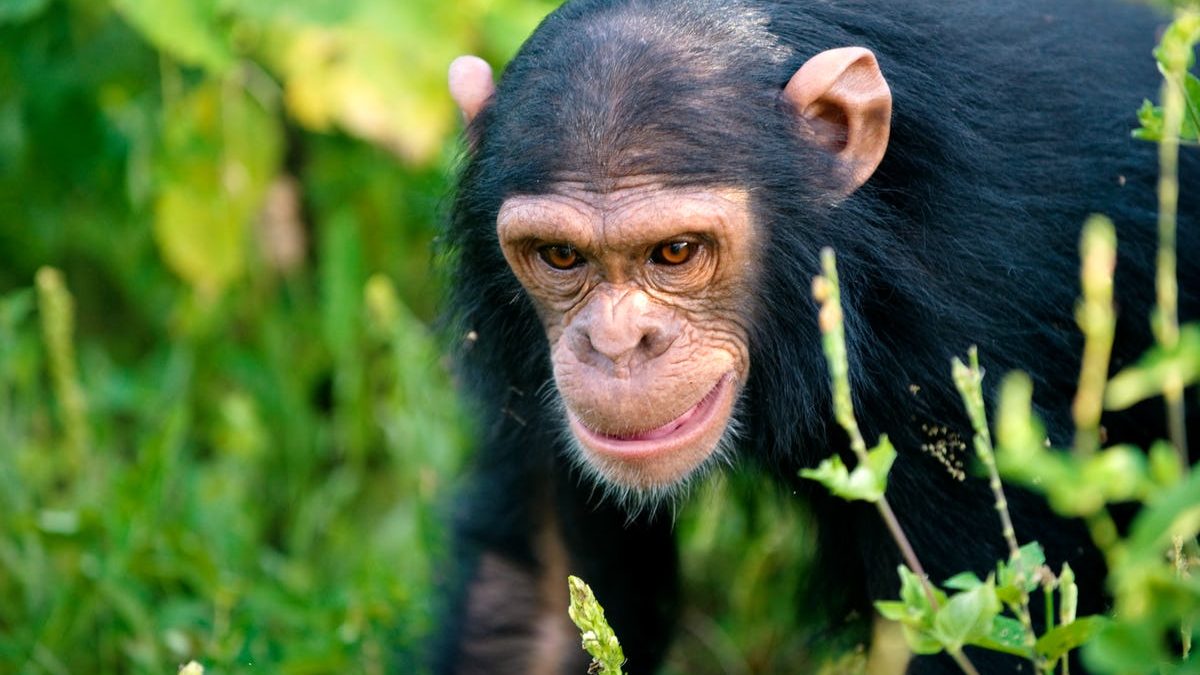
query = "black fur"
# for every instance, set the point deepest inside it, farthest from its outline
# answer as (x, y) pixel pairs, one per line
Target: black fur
(1011, 124)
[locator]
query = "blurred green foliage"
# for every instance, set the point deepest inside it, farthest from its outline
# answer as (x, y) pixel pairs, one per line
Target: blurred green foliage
(226, 432)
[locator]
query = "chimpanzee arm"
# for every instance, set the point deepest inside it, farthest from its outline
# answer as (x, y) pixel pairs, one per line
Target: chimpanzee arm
(527, 523)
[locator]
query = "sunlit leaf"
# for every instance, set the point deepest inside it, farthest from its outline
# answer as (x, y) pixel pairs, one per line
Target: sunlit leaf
(867, 482)
(1172, 513)
(222, 150)
(1163, 464)
(892, 610)
(19, 11)
(912, 591)
(965, 616)
(1125, 647)
(186, 29)
(1019, 435)
(1006, 634)
(1175, 54)
(963, 581)
(1150, 121)
(1157, 368)
(1175, 50)
(1019, 575)
(1062, 639)
(919, 640)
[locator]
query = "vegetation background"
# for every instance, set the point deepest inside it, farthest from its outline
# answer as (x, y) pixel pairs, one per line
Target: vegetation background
(226, 432)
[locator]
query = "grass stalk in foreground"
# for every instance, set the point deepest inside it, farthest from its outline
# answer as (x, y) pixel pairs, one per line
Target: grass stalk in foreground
(969, 381)
(57, 309)
(1098, 321)
(827, 292)
(598, 638)
(1174, 54)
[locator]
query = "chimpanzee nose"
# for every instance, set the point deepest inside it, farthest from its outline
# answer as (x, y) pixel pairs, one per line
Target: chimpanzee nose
(624, 330)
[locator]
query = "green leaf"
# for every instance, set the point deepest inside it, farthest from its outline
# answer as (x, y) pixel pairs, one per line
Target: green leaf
(866, 483)
(1150, 117)
(1125, 647)
(1175, 51)
(1191, 106)
(221, 151)
(1149, 376)
(188, 30)
(963, 581)
(1006, 635)
(20, 11)
(912, 591)
(1172, 513)
(1062, 639)
(1020, 437)
(1163, 464)
(920, 641)
(966, 616)
(1020, 574)
(831, 473)
(1120, 472)
(892, 610)
(880, 460)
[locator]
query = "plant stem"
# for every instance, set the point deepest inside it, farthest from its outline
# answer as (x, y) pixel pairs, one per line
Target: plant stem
(961, 659)
(906, 549)
(1166, 324)
(57, 308)
(1048, 599)
(1182, 573)
(1178, 57)
(827, 291)
(1097, 320)
(1106, 537)
(969, 381)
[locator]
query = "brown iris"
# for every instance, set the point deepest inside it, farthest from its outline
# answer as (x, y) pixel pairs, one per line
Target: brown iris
(560, 256)
(673, 253)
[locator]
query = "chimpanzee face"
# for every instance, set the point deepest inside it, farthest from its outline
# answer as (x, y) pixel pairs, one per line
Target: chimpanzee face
(643, 293)
(645, 288)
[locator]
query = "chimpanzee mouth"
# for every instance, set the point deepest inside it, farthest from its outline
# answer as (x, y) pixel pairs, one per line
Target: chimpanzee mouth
(683, 431)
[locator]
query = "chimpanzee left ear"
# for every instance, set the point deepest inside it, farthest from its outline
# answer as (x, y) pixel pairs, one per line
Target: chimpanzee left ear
(471, 85)
(847, 106)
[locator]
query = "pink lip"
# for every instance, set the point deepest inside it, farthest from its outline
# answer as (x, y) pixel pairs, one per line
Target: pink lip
(677, 432)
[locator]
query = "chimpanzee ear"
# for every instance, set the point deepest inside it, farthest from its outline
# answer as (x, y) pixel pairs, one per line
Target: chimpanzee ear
(471, 85)
(847, 106)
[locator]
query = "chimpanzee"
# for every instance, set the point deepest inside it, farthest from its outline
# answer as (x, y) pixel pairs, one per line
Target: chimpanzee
(636, 227)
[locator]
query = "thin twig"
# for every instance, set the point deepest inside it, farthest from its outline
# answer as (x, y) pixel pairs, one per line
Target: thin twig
(1166, 325)
(963, 662)
(826, 290)
(1097, 321)
(969, 381)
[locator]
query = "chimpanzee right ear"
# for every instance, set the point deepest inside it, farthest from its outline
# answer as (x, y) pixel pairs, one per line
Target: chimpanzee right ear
(471, 85)
(847, 108)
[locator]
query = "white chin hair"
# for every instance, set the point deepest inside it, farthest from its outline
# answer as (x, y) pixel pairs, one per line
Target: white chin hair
(647, 496)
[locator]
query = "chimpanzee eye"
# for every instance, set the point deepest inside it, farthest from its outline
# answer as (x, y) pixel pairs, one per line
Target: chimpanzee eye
(560, 256)
(673, 253)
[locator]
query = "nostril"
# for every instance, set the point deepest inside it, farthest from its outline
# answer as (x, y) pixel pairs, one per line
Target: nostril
(656, 341)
